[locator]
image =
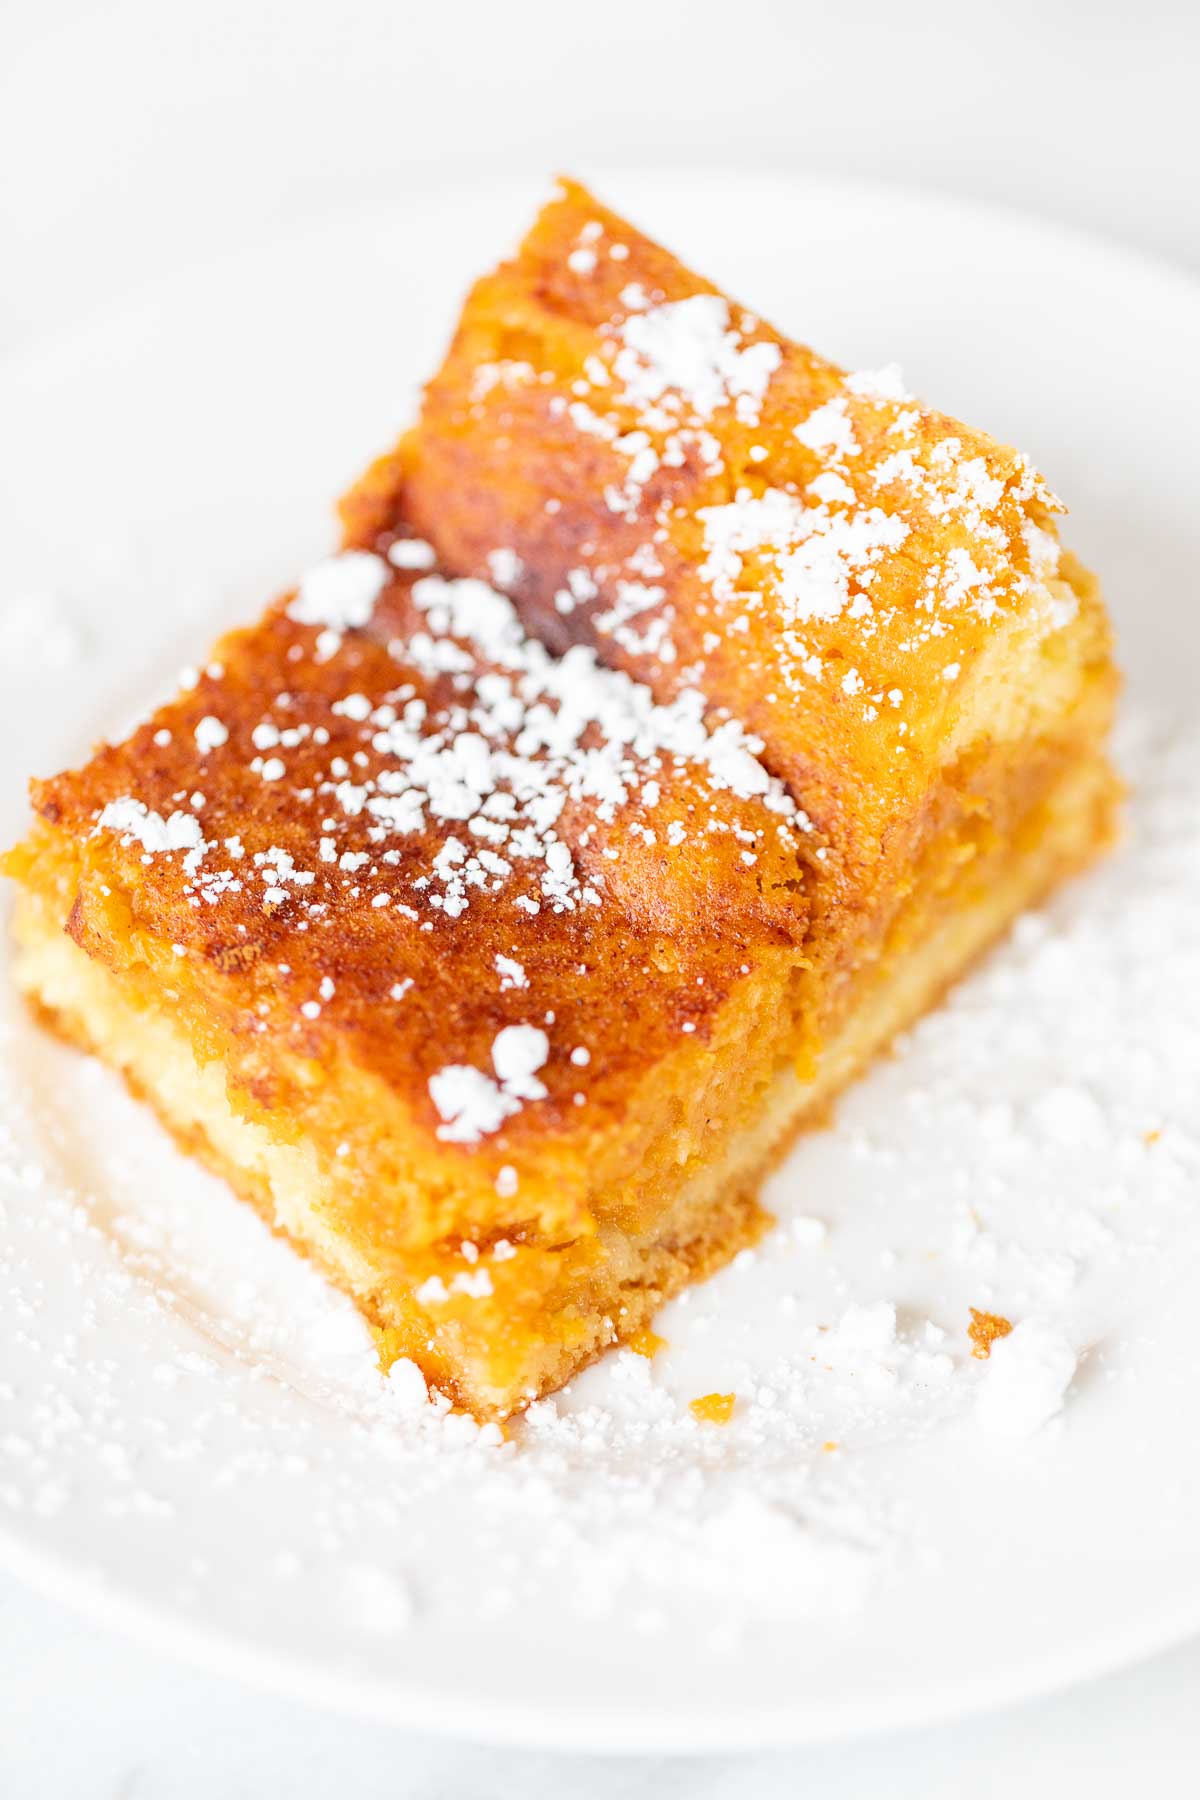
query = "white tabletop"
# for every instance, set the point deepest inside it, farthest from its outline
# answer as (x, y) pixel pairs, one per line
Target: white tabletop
(137, 138)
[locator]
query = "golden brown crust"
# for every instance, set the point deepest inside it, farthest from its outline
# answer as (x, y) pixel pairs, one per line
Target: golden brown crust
(550, 1309)
(847, 621)
(299, 980)
(693, 926)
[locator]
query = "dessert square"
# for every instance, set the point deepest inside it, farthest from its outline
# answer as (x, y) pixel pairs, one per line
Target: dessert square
(681, 715)
(468, 965)
(872, 588)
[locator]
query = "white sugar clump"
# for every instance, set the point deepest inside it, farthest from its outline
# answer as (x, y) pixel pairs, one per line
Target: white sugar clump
(828, 428)
(473, 610)
(340, 1332)
(517, 1054)
(471, 1104)
(475, 1283)
(341, 592)
(1027, 1376)
(511, 973)
(411, 553)
(582, 694)
(210, 734)
(878, 384)
(808, 1232)
(504, 566)
(406, 1386)
(689, 349)
(137, 823)
(790, 1566)
(814, 553)
(1045, 552)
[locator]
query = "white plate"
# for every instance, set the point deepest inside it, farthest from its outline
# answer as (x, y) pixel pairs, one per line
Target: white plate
(193, 1439)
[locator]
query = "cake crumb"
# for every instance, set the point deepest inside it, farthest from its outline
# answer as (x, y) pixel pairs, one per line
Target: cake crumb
(984, 1329)
(713, 1409)
(646, 1343)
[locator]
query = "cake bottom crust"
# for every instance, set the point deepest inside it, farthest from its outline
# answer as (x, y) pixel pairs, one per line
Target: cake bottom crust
(617, 1280)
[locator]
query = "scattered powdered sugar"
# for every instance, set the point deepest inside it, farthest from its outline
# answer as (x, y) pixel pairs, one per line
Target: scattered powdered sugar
(879, 384)
(482, 775)
(210, 734)
(829, 428)
(472, 1104)
(675, 365)
(183, 1401)
(411, 553)
(900, 518)
(517, 1054)
(511, 973)
(1027, 1377)
(814, 552)
(505, 567)
(586, 696)
(687, 355)
(406, 1386)
(137, 824)
(341, 592)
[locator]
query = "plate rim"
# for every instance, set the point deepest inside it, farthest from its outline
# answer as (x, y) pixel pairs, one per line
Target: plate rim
(559, 1727)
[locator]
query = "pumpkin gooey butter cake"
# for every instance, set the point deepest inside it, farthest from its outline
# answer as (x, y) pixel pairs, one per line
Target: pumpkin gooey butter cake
(679, 717)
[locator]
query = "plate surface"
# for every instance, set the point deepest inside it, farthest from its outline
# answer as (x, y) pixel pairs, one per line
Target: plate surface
(194, 1440)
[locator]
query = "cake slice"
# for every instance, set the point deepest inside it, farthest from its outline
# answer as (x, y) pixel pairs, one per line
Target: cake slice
(874, 590)
(469, 966)
(681, 715)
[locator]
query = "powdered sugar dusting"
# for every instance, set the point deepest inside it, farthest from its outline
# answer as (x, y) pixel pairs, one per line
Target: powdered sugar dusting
(472, 1104)
(814, 552)
(1028, 1373)
(474, 775)
(341, 592)
(136, 823)
(176, 1381)
(869, 512)
(688, 356)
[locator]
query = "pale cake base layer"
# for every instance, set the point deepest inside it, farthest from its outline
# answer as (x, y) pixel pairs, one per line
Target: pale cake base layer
(714, 1212)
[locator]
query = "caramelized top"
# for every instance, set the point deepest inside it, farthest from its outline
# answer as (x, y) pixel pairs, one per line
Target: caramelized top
(644, 465)
(654, 615)
(384, 818)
